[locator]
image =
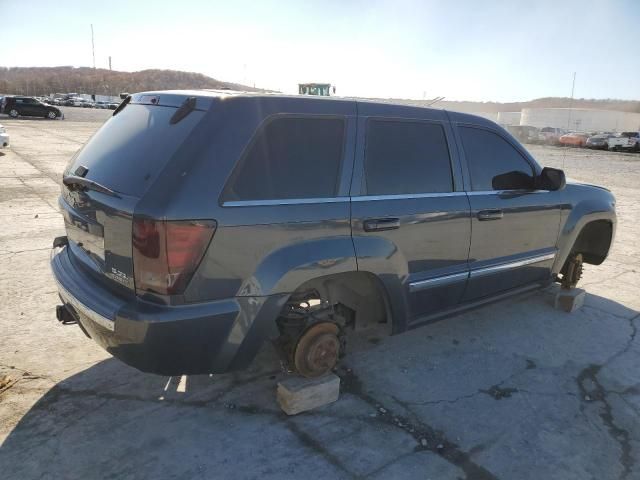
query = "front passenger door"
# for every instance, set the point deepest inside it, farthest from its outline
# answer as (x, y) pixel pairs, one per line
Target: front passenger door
(514, 228)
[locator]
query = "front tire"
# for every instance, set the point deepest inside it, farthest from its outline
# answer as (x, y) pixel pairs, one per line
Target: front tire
(13, 113)
(52, 115)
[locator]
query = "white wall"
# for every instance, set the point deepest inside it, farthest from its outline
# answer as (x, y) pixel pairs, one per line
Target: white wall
(581, 119)
(509, 118)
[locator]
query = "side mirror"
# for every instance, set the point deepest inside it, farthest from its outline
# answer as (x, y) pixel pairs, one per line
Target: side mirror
(551, 179)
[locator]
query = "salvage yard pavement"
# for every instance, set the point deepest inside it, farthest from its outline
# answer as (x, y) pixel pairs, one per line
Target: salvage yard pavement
(515, 390)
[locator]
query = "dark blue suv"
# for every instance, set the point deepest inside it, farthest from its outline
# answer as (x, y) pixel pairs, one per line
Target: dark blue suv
(200, 224)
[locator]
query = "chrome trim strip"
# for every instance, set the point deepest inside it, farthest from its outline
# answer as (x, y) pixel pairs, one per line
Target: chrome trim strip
(503, 192)
(508, 266)
(437, 281)
(284, 201)
(366, 198)
(84, 310)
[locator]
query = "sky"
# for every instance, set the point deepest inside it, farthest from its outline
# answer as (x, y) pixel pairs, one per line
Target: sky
(463, 50)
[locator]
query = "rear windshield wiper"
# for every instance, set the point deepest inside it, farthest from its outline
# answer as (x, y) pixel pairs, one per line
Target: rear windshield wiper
(123, 104)
(188, 106)
(73, 183)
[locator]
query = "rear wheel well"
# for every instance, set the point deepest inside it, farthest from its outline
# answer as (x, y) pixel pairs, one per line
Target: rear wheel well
(361, 292)
(594, 241)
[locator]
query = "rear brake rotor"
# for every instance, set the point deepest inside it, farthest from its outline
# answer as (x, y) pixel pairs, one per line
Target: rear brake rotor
(317, 350)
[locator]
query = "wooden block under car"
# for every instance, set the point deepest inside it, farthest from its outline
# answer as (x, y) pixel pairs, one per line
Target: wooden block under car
(570, 300)
(298, 394)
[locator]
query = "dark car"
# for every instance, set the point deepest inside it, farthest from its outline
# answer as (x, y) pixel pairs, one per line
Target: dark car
(201, 224)
(599, 141)
(28, 107)
(525, 133)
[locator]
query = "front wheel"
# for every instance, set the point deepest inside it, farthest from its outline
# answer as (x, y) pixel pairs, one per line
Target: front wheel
(51, 115)
(13, 113)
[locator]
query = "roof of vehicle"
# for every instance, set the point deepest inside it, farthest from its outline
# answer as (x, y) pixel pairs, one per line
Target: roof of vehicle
(393, 108)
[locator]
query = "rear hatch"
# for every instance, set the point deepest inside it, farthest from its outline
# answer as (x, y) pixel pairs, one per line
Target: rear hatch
(107, 178)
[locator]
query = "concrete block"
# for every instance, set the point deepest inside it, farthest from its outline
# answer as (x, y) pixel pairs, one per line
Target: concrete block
(298, 394)
(570, 300)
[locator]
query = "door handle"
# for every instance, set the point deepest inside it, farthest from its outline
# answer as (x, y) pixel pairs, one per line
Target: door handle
(381, 224)
(484, 215)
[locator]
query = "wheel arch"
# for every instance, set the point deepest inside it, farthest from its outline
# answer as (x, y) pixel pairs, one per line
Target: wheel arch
(373, 298)
(594, 241)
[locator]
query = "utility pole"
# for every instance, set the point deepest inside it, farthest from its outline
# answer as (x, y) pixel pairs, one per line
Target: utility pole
(93, 48)
(573, 86)
(109, 62)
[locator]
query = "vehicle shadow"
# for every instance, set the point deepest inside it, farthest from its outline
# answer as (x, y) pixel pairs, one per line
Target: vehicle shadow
(111, 421)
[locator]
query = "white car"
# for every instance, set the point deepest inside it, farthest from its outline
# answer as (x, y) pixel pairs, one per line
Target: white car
(625, 141)
(4, 137)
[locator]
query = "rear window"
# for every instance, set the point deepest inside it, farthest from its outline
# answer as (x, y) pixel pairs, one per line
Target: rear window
(132, 148)
(629, 134)
(290, 157)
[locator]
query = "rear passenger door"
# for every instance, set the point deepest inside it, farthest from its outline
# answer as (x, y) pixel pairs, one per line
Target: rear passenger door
(410, 216)
(284, 211)
(514, 227)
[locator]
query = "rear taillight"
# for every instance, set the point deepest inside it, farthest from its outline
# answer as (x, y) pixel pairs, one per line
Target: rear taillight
(166, 254)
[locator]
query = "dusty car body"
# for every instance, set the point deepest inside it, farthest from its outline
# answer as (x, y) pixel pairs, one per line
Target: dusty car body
(201, 224)
(574, 139)
(4, 137)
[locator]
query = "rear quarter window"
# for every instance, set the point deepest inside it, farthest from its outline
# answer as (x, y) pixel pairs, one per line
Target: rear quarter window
(290, 157)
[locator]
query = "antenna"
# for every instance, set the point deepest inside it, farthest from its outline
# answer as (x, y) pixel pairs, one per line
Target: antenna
(434, 101)
(93, 48)
(573, 87)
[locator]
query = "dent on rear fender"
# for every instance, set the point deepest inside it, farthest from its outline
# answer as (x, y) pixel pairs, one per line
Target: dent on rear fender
(287, 268)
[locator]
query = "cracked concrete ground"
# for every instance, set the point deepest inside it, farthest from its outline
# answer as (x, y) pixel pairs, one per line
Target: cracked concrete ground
(513, 390)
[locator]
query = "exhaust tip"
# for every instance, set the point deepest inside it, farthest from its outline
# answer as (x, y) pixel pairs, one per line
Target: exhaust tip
(65, 316)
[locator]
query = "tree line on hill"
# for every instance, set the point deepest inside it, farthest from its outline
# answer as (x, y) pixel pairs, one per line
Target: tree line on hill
(38, 81)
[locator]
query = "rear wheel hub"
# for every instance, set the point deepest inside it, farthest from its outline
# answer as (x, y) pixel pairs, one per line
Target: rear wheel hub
(317, 350)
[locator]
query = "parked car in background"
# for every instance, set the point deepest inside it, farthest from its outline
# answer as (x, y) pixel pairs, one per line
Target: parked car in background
(551, 135)
(525, 133)
(574, 139)
(599, 141)
(113, 106)
(101, 105)
(4, 137)
(625, 141)
(28, 107)
(356, 214)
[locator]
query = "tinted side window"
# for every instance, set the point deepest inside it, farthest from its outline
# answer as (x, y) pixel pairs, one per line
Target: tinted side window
(290, 158)
(406, 158)
(493, 162)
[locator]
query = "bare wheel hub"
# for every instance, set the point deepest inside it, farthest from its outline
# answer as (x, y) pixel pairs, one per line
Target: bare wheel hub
(317, 350)
(574, 272)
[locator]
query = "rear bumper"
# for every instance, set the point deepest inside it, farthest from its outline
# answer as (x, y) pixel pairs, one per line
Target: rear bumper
(4, 140)
(213, 337)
